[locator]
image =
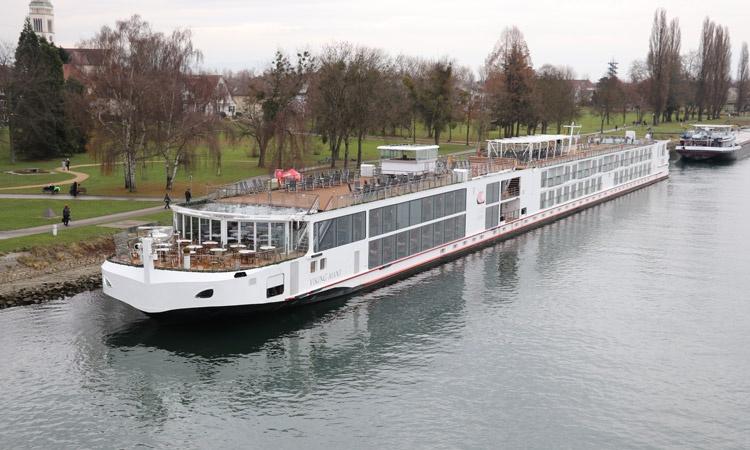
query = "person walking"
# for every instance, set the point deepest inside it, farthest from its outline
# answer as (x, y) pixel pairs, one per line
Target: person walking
(66, 216)
(167, 201)
(188, 196)
(67, 164)
(74, 189)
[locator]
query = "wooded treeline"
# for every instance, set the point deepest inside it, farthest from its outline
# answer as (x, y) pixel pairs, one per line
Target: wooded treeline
(693, 85)
(346, 93)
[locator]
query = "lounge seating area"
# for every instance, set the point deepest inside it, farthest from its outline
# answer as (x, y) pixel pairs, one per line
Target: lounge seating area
(181, 254)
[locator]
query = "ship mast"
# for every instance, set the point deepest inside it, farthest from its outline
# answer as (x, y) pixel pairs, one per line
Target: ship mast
(572, 127)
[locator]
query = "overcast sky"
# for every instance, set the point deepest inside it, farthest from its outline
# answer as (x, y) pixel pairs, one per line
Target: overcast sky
(237, 34)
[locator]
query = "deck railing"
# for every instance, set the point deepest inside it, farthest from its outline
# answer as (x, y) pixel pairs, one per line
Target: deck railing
(168, 254)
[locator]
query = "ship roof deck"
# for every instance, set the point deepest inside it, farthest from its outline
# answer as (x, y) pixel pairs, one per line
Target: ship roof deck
(325, 197)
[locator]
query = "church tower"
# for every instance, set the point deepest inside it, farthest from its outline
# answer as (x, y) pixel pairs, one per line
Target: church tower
(42, 18)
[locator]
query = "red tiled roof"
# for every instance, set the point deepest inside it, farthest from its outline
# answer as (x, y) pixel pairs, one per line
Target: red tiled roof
(85, 56)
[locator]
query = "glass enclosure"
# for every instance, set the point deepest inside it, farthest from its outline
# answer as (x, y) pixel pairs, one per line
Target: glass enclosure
(256, 235)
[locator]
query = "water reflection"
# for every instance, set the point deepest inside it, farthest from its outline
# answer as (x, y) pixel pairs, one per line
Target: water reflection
(219, 339)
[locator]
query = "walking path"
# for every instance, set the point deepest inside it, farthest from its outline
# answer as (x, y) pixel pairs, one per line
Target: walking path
(79, 177)
(79, 223)
(80, 197)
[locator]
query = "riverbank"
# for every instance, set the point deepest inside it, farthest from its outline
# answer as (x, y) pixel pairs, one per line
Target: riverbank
(48, 273)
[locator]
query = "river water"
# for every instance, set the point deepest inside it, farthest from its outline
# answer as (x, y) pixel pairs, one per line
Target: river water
(624, 326)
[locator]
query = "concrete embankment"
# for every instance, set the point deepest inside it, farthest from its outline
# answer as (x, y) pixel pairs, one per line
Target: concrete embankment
(48, 273)
(47, 291)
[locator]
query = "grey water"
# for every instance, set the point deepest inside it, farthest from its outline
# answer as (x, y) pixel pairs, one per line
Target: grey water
(624, 326)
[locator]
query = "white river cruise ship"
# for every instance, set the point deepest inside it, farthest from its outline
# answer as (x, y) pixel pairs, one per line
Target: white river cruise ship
(266, 245)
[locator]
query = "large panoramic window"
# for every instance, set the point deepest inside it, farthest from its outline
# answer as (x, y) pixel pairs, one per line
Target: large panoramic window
(407, 243)
(247, 234)
(261, 234)
(343, 230)
(233, 229)
(401, 215)
(493, 193)
(491, 216)
(278, 235)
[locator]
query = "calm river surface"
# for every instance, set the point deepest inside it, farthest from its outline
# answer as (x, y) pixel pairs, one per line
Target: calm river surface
(625, 326)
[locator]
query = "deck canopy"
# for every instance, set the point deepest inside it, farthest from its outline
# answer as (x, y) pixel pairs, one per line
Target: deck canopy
(529, 148)
(407, 159)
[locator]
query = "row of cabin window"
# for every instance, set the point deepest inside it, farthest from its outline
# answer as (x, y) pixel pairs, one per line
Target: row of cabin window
(571, 192)
(634, 172)
(409, 242)
(342, 230)
(493, 193)
(402, 215)
(583, 169)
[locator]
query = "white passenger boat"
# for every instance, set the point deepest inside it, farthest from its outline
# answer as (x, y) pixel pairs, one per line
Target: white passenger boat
(714, 142)
(251, 248)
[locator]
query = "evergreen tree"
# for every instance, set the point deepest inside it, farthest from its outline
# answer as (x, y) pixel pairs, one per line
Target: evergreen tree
(38, 124)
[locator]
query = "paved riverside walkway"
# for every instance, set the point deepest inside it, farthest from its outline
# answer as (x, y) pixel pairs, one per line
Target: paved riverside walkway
(79, 177)
(79, 223)
(80, 197)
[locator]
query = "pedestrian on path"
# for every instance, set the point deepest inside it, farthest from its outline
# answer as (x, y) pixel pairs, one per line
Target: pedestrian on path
(167, 201)
(66, 216)
(74, 189)
(67, 164)
(188, 196)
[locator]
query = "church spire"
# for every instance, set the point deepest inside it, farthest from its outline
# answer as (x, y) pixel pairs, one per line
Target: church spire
(42, 18)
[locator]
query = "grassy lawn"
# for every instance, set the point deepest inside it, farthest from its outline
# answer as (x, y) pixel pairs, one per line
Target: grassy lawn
(22, 213)
(202, 176)
(70, 235)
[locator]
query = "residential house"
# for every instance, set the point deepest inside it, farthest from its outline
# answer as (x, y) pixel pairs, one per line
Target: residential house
(583, 91)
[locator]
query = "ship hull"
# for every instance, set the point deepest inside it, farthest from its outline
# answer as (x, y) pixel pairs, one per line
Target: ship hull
(710, 155)
(366, 282)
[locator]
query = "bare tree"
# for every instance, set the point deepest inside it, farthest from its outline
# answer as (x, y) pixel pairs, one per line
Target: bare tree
(639, 87)
(332, 96)
(713, 77)
(466, 98)
(743, 80)
(120, 87)
(411, 71)
(365, 76)
(556, 98)
(6, 72)
(276, 102)
(720, 76)
(394, 111)
(663, 61)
